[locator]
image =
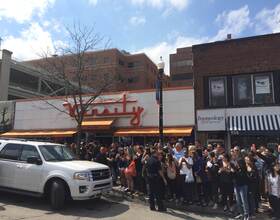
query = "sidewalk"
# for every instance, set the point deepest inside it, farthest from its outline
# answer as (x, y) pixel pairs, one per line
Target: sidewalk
(117, 192)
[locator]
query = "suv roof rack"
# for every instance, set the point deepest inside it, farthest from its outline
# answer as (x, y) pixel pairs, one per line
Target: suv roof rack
(15, 139)
(40, 140)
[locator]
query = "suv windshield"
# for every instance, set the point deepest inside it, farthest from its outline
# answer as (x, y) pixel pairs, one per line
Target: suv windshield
(56, 153)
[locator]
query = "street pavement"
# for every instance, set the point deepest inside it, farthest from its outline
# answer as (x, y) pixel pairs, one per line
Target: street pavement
(16, 207)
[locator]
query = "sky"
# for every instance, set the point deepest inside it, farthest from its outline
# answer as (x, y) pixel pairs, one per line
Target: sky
(156, 27)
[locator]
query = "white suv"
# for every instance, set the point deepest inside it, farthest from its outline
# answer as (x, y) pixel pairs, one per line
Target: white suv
(47, 169)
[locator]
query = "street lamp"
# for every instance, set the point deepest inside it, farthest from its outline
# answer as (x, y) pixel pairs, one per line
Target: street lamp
(160, 77)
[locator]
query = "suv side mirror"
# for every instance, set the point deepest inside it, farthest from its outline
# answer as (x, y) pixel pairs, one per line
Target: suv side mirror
(34, 160)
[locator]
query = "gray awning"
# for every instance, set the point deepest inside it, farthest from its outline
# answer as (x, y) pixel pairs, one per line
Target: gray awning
(265, 122)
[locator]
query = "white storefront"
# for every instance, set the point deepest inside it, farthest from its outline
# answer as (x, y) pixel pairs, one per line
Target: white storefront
(234, 124)
(132, 113)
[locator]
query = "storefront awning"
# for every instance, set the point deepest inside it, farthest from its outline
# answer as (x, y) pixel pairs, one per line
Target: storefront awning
(104, 123)
(264, 122)
(172, 131)
(46, 133)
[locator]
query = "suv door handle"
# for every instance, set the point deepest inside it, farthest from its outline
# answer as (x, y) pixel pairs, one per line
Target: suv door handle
(19, 166)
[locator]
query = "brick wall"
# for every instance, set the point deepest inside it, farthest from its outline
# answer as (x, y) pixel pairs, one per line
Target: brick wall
(182, 54)
(139, 77)
(237, 56)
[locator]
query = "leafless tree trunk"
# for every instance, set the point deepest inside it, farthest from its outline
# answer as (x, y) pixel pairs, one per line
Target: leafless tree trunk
(69, 66)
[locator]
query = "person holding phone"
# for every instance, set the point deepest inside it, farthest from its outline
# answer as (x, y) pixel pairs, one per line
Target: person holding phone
(186, 177)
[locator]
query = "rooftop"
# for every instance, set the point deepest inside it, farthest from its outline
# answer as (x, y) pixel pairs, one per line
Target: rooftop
(234, 40)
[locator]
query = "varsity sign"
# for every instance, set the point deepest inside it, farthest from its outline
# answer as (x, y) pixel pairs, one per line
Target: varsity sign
(110, 108)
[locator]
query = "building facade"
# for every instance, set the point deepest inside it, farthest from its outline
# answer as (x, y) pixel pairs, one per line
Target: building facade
(237, 92)
(130, 71)
(116, 116)
(181, 67)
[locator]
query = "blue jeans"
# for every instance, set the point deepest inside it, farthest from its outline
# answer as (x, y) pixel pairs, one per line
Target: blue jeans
(114, 174)
(241, 193)
(252, 203)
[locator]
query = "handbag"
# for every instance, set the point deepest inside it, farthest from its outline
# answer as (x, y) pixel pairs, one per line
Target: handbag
(171, 172)
(131, 170)
(198, 179)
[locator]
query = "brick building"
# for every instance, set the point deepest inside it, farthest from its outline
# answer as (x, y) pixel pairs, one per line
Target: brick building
(131, 71)
(237, 92)
(181, 67)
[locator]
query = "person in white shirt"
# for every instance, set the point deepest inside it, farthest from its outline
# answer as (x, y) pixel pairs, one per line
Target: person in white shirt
(273, 183)
(178, 151)
(186, 177)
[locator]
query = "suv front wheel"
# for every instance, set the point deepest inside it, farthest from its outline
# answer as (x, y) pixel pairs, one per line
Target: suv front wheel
(57, 194)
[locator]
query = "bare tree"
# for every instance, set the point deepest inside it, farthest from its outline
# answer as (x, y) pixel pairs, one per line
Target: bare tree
(70, 65)
(4, 121)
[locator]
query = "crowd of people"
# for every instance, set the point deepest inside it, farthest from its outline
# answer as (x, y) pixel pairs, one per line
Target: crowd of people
(196, 175)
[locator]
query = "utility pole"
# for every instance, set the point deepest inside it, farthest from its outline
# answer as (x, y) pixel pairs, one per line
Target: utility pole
(160, 78)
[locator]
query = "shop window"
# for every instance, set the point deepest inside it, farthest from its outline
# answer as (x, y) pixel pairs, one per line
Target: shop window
(242, 90)
(217, 92)
(263, 89)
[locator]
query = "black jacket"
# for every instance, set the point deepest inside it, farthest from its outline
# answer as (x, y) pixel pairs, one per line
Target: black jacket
(240, 178)
(213, 172)
(269, 160)
(253, 178)
(102, 158)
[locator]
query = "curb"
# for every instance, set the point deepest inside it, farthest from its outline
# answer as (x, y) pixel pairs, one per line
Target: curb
(191, 208)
